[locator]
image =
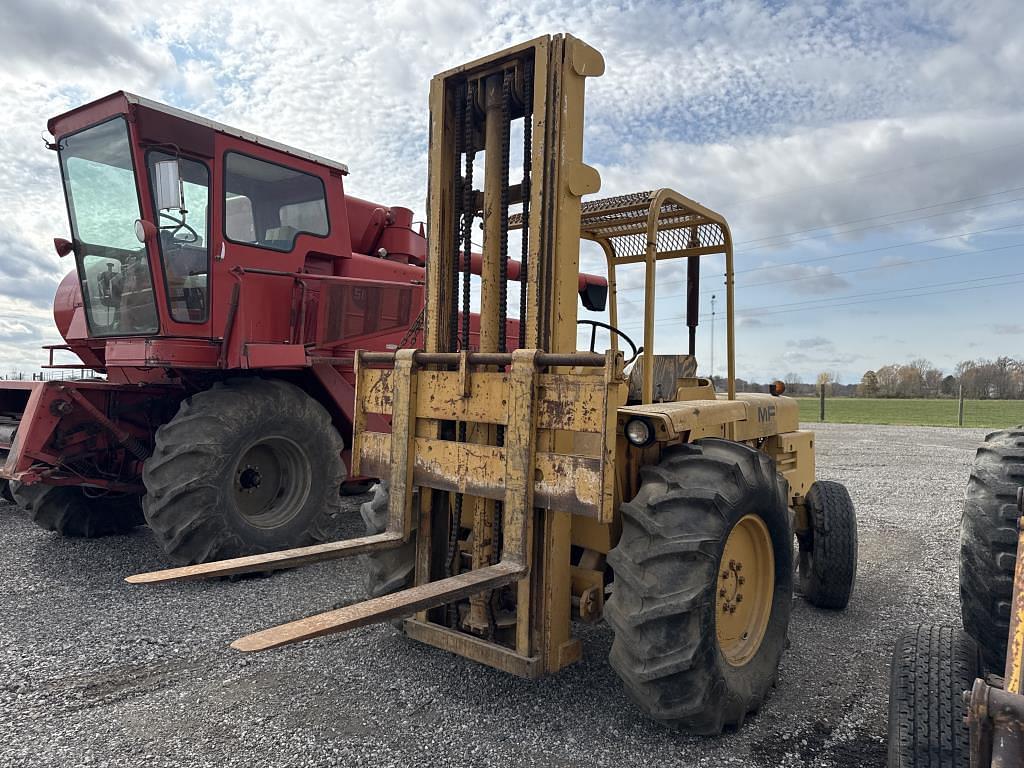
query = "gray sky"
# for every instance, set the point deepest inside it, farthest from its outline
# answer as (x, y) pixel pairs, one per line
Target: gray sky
(869, 156)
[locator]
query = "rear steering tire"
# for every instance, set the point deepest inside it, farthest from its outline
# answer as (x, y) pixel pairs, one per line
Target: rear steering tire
(703, 585)
(245, 467)
(828, 552)
(70, 511)
(931, 668)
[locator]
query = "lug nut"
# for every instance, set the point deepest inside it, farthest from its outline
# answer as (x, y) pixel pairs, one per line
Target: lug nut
(741, 580)
(721, 592)
(739, 598)
(732, 609)
(725, 574)
(739, 567)
(732, 564)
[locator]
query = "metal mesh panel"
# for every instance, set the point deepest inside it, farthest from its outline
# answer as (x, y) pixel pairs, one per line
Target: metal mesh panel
(622, 221)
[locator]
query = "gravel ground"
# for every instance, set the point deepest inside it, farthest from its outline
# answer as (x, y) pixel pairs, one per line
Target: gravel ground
(94, 672)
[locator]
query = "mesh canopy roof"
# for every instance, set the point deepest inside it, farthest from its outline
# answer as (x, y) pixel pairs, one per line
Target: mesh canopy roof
(682, 226)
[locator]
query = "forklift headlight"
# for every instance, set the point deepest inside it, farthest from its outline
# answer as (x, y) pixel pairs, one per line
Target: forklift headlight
(639, 432)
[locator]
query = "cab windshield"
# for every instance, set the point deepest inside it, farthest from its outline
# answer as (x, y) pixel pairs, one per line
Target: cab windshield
(103, 204)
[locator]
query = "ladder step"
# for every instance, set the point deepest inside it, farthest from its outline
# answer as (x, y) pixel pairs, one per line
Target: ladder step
(285, 558)
(393, 606)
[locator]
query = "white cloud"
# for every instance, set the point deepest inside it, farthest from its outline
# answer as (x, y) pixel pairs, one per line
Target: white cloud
(784, 118)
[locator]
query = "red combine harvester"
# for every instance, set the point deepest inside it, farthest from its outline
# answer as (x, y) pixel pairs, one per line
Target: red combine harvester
(223, 283)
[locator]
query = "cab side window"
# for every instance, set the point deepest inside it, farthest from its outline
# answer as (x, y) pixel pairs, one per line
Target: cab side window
(269, 205)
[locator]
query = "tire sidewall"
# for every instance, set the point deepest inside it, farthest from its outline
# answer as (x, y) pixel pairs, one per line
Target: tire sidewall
(313, 444)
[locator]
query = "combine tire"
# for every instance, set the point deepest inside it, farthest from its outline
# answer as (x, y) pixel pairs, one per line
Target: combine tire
(828, 555)
(988, 542)
(71, 511)
(703, 585)
(931, 668)
(392, 569)
(245, 467)
(356, 489)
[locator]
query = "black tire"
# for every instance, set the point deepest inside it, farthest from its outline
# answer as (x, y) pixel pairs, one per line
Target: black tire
(828, 554)
(71, 511)
(988, 542)
(245, 467)
(393, 569)
(663, 606)
(931, 668)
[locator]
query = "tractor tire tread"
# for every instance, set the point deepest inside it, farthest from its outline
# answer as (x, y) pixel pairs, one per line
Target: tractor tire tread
(663, 601)
(988, 542)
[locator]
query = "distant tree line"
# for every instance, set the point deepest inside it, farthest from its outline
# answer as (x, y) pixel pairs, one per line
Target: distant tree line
(999, 379)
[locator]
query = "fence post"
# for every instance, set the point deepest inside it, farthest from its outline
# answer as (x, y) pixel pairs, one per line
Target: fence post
(821, 403)
(960, 407)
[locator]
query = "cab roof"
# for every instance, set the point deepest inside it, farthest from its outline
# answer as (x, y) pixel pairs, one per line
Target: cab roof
(162, 123)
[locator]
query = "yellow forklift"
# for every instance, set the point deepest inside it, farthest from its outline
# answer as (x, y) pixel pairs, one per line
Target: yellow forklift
(526, 483)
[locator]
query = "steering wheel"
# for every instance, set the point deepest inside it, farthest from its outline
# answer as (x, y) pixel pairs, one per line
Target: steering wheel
(595, 324)
(179, 224)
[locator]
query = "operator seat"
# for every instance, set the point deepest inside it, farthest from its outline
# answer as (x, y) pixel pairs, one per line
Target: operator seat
(282, 237)
(668, 369)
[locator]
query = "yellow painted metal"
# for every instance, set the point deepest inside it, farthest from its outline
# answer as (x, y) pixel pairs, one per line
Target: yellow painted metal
(649, 227)
(1012, 673)
(793, 453)
(746, 586)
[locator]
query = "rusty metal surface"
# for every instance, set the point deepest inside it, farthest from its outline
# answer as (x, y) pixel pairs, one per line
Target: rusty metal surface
(481, 651)
(286, 558)
(1015, 637)
(996, 720)
(393, 606)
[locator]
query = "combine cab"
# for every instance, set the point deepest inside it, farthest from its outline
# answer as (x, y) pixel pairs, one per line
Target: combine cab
(222, 284)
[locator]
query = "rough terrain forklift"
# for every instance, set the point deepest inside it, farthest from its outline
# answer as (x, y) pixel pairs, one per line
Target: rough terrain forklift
(525, 488)
(956, 696)
(222, 284)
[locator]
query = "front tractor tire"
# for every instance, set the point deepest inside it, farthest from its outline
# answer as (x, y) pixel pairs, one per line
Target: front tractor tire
(78, 512)
(703, 585)
(245, 467)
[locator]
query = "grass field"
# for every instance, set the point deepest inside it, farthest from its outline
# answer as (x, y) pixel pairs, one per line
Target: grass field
(937, 413)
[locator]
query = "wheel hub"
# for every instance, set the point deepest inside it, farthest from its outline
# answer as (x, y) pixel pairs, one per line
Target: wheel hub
(271, 481)
(249, 478)
(746, 585)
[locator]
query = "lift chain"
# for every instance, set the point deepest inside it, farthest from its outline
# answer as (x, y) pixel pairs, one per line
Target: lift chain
(506, 122)
(457, 198)
(468, 213)
(525, 187)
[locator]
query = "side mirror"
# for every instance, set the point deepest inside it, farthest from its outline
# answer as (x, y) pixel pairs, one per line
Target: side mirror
(167, 185)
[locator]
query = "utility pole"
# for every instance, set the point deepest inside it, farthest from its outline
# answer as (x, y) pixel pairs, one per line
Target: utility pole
(712, 338)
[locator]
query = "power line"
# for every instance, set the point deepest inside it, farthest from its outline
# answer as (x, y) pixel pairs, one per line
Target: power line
(882, 226)
(873, 268)
(855, 179)
(832, 301)
(890, 298)
(717, 277)
(879, 216)
(873, 250)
